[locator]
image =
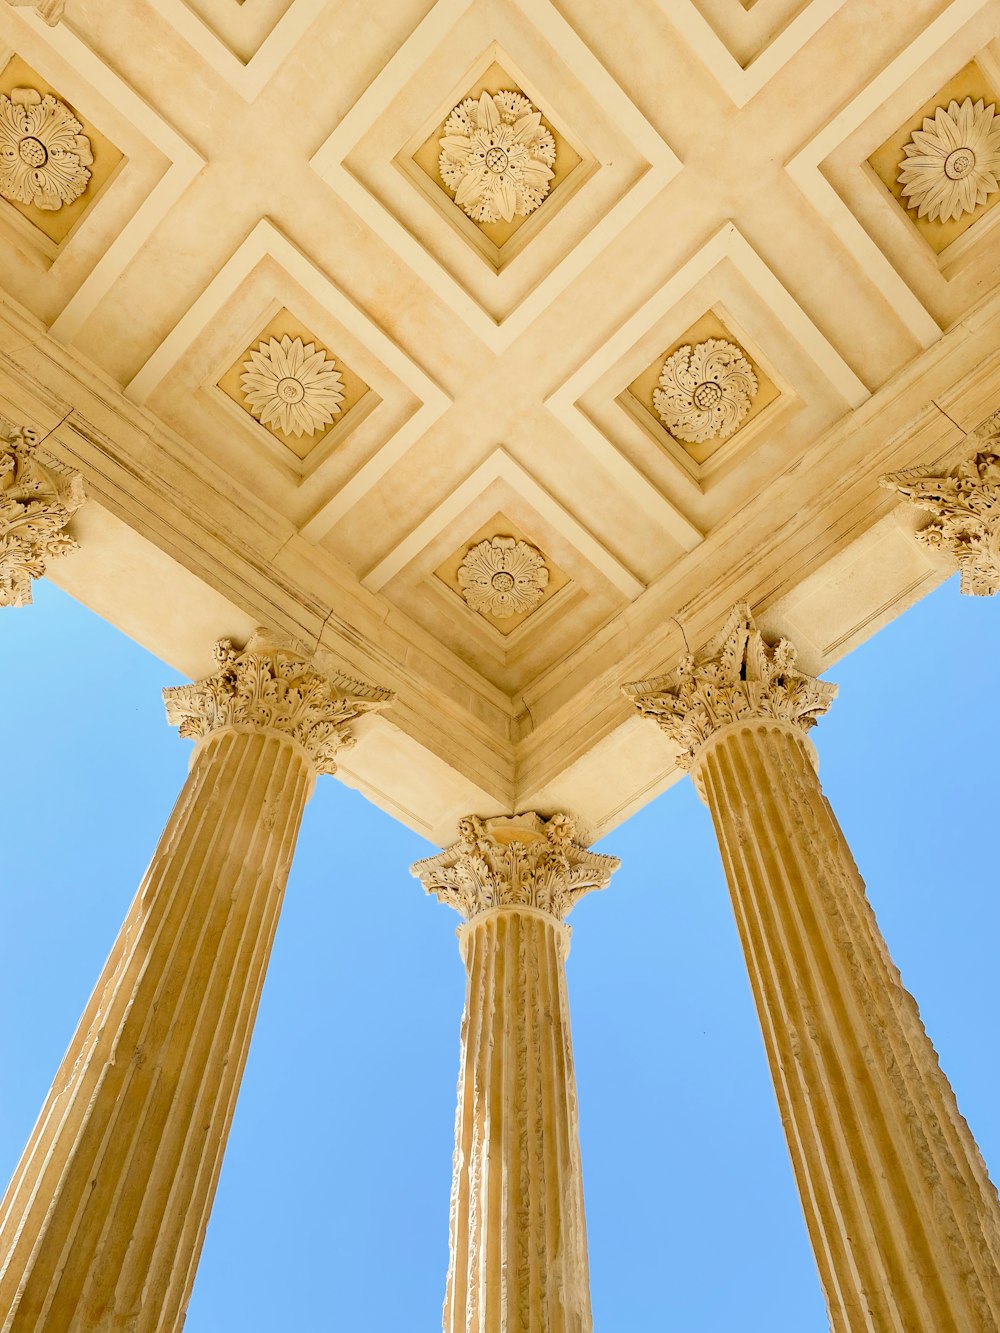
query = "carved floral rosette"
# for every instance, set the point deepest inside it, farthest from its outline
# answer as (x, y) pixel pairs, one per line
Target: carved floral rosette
(515, 861)
(36, 504)
(275, 686)
(951, 166)
(497, 156)
(292, 386)
(965, 503)
(737, 677)
(503, 577)
(705, 391)
(44, 155)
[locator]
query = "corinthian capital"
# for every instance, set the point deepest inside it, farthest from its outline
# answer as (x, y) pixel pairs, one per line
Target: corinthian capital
(275, 686)
(965, 503)
(737, 677)
(36, 504)
(50, 10)
(517, 861)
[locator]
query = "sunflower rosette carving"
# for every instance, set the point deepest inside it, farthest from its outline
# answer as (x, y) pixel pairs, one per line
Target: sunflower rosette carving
(503, 577)
(44, 154)
(292, 386)
(705, 391)
(951, 166)
(497, 157)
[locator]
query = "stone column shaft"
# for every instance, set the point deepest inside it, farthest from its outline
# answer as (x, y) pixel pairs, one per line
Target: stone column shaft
(115, 1186)
(903, 1218)
(103, 1223)
(901, 1212)
(518, 1237)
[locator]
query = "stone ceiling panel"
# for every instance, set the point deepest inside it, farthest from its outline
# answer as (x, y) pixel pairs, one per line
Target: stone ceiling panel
(945, 261)
(380, 159)
(394, 401)
(61, 257)
(502, 379)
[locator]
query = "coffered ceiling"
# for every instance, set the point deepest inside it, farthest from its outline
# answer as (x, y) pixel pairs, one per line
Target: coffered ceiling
(498, 346)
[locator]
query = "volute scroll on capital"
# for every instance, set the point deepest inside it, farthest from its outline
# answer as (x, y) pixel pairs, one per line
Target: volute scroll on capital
(37, 501)
(270, 685)
(515, 861)
(737, 677)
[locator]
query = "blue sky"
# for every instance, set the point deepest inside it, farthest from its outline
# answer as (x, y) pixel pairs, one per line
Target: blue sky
(332, 1208)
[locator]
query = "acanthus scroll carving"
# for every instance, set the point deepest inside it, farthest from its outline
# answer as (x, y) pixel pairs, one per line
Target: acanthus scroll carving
(965, 502)
(36, 504)
(269, 685)
(515, 861)
(738, 676)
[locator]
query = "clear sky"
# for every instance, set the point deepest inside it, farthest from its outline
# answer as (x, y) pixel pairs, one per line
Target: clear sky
(332, 1210)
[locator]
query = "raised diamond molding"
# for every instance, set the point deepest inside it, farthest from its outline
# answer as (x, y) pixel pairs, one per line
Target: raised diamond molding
(515, 861)
(248, 78)
(497, 156)
(44, 155)
(273, 685)
(503, 577)
(965, 503)
(36, 504)
(292, 385)
(705, 391)
(951, 164)
(737, 677)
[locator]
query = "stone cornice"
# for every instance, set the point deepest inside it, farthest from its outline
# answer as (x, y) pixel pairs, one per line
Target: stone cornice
(737, 677)
(36, 504)
(516, 861)
(965, 502)
(275, 686)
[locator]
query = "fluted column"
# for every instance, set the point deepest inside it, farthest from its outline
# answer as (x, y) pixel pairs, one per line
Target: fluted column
(103, 1222)
(36, 504)
(903, 1218)
(518, 1260)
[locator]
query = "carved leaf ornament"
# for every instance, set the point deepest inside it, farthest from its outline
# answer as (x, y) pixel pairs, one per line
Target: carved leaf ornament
(275, 686)
(36, 504)
(705, 391)
(44, 155)
(292, 386)
(736, 677)
(497, 156)
(966, 508)
(503, 577)
(951, 165)
(517, 861)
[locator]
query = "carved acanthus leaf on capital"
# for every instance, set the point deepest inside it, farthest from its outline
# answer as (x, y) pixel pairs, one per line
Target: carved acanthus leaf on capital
(36, 504)
(965, 502)
(515, 861)
(738, 676)
(270, 685)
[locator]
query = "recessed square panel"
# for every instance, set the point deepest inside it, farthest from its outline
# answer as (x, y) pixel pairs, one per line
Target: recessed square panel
(702, 391)
(941, 165)
(56, 161)
(501, 574)
(496, 161)
(299, 390)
